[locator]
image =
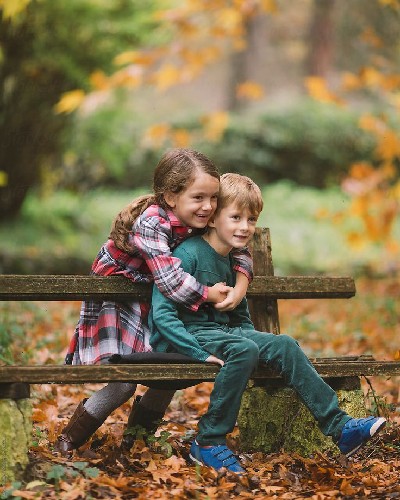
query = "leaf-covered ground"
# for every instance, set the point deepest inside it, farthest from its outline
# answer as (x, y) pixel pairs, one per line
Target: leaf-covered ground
(367, 324)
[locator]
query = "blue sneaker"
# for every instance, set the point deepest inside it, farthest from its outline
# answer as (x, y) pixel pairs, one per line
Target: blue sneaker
(215, 457)
(357, 432)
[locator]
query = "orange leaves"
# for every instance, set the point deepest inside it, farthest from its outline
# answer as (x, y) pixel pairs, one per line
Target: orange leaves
(167, 76)
(318, 90)
(134, 57)
(215, 124)
(375, 191)
(161, 134)
(250, 90)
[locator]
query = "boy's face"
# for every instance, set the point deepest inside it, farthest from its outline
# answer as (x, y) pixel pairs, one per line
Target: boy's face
(232, 227)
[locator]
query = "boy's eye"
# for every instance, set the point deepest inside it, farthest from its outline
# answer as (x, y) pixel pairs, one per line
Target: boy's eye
(253, 220)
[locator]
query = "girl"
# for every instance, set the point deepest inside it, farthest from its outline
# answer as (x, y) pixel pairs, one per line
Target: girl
(143, 235)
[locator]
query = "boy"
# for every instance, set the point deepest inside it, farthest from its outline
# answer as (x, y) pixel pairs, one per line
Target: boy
(229, 338)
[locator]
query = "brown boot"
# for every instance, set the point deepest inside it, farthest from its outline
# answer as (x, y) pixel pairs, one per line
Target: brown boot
(140, 417)
(78, 430)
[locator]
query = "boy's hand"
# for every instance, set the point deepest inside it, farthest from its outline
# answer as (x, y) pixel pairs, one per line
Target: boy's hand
(235, 295)
(215, 360)
(232, 300)
(218, 292)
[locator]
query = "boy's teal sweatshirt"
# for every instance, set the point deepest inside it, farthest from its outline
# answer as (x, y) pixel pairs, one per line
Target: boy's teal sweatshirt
(172, 325)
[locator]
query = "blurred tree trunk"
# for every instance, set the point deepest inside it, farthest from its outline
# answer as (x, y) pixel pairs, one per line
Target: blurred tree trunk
(246, 64)
(321, 38)
(30, 131)
(41, 57)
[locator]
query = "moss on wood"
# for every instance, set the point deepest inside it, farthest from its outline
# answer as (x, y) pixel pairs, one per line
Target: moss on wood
(272, 419)
(15, 438)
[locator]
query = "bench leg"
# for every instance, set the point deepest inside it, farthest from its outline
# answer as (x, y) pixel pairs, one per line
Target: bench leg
(15, 437)
(273, 418)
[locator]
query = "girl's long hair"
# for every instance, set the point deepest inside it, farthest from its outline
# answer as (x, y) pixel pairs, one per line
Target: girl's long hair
(174, 173)
(123, 222)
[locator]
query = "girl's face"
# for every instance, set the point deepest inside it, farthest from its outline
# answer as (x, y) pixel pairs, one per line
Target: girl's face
(196, 204)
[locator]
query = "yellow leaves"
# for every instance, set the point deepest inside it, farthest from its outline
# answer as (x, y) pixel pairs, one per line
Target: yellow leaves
(70, 101)
(3, 178)
(350, 81)
(11, 8)
(250, 90)
(99, 80)
(157, 134)
(388, 141)
(215, 124)
(180, 138)
(395, 4)
(166, 76)
(370, 76)
(370, 123)
(134, 57)
(231, 20)
(369, 36)
(388, 146)
(269, 6)
(319, 91)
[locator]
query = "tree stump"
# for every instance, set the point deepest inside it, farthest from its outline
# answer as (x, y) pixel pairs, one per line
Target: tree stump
(15, 433)
(274, 419)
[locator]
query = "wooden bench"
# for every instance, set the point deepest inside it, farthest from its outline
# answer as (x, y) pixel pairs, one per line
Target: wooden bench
(264, 293)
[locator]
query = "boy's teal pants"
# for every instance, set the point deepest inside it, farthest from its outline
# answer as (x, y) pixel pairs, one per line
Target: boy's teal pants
(241, 351)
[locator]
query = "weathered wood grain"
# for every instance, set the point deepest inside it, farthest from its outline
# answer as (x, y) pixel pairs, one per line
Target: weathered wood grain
(65, 287)
(141, 373)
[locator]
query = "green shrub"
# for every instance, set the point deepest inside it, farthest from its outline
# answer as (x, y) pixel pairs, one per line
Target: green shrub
(310, 144)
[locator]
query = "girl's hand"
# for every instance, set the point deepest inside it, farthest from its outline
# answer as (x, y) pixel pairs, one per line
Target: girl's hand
(218, 292)
(215, 360)
(231, 301)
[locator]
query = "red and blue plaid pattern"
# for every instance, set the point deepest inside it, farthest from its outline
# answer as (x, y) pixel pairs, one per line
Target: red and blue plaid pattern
(107, 328)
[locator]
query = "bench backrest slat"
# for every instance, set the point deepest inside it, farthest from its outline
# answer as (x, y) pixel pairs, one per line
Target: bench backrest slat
(64, 287)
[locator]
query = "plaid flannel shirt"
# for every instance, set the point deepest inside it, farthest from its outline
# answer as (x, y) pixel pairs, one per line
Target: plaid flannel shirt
(107, 328)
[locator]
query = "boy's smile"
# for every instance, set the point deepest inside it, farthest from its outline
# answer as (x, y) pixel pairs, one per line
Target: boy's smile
(232, 227)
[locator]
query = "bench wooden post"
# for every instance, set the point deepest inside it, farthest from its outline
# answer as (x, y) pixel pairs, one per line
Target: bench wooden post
(15, 430)
(271, 415)
(264, 312)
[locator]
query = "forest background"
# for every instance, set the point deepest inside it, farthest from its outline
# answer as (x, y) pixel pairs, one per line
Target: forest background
(301, 96)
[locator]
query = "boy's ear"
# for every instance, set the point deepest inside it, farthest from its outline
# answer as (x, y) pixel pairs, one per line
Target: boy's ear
(169, 198)
(211, 222)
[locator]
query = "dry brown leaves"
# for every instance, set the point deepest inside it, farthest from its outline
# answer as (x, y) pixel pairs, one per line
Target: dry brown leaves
(368, 323)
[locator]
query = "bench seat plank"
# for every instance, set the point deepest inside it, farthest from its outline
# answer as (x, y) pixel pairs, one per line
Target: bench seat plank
(327, 368)
(66, 287)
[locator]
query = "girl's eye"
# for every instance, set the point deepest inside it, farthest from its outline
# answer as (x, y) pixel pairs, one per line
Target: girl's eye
(235, 217)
